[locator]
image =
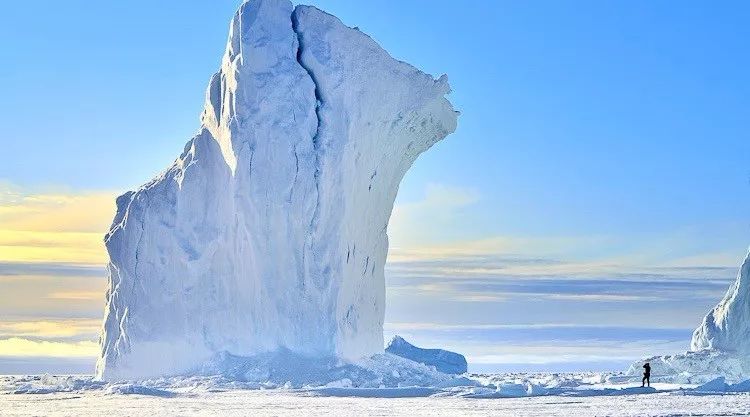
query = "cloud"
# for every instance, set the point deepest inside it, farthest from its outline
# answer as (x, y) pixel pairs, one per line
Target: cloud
(544, 344)
(50, 296)
(432, 236)
(56, 269)
(439, 269)
(54, 226)
(28, 246)
(511, 259)
(76, 295)
(21, 347)
(432, 218)
(577, 293)
(51, 249)
(481, 298)
(31, 365)
(555, 351)
(57, 211)
(602, 297)
(51, 328)
(430, 326)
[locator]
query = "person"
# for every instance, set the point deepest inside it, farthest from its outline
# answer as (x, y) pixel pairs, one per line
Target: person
(646, 375)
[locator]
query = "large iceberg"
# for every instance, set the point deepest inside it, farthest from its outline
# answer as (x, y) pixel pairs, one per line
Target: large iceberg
(268, 233)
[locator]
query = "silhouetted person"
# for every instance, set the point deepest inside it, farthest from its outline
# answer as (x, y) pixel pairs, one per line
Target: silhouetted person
(646, 375)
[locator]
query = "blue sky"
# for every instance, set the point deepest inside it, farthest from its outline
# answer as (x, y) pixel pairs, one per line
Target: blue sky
(589, 210)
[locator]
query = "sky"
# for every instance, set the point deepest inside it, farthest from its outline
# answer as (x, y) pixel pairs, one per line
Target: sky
(589, 210)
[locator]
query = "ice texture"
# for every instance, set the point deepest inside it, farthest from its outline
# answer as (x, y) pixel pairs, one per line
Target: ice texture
(269, 231)
(443, 360)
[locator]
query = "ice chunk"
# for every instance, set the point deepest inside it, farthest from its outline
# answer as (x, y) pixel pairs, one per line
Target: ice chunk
(443, 360)
(715, 385)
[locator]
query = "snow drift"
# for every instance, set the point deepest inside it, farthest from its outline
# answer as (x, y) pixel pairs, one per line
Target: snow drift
(269, 231)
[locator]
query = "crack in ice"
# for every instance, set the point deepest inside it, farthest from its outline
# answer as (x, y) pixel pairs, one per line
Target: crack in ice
(316, 136)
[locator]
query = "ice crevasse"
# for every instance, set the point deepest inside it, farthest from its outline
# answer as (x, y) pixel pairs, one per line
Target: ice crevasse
(268, 232)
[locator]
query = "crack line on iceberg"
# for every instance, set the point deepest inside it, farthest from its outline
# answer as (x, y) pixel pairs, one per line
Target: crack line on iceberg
(315, 137)
(147, 204)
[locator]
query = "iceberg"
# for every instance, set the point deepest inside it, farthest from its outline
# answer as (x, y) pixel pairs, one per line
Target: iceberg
(443, 360)
(727, 326)
(720, 347)
(269, 232)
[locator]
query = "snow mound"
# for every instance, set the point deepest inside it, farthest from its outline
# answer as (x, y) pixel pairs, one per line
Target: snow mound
(268, 232)
(443, 360)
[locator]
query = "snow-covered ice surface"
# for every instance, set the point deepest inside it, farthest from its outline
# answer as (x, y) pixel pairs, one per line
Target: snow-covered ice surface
(497, 394)
(269, 231)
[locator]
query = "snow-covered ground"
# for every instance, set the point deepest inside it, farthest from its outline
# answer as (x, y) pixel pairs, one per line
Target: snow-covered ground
(495, 394)
(291, 403)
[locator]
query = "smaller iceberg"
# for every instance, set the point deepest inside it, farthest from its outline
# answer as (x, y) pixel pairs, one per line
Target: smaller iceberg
(443, 360)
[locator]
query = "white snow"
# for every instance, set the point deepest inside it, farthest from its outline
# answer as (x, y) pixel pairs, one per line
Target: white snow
(493, 394)
(268, 233)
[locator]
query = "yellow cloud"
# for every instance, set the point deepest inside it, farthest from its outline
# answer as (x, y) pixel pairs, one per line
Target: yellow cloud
(51, 328)
(76, 295)
(16, 346)
(55, 227)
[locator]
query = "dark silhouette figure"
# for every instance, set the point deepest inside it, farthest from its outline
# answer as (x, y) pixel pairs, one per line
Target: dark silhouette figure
(646, 375)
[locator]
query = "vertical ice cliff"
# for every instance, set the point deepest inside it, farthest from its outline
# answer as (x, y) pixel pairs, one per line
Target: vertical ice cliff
(269, 231)
(727, 326)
